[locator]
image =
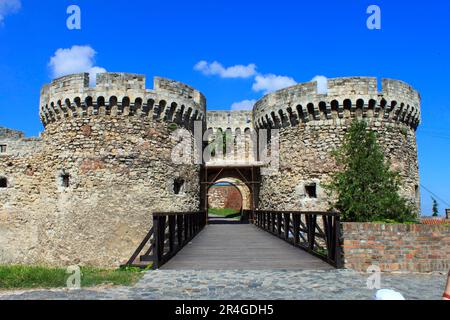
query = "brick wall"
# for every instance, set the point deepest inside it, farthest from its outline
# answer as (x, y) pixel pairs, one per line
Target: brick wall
(220, 197)
(411, 248)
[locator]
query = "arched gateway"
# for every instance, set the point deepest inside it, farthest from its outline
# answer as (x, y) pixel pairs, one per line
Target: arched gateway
(244, 178)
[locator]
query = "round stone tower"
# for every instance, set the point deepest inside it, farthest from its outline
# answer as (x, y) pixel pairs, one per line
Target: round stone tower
(106, 164)
(313, 124)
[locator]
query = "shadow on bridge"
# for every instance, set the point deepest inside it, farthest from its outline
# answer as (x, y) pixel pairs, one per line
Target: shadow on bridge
(222, 221)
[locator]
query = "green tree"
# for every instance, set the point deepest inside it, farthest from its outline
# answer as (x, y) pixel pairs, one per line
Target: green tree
(435, 207)
(366, 189)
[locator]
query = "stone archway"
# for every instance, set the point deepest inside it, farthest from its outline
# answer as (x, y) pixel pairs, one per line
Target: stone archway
(243, 195)
(243, 189)
(245, 178)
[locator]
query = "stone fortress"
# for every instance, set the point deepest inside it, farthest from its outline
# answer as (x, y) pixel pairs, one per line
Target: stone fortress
(83, 192)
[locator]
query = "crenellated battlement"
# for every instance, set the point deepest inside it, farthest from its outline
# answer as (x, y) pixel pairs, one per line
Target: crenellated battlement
(179, 89)
(230, 120)
(345, 97)
(120, 94)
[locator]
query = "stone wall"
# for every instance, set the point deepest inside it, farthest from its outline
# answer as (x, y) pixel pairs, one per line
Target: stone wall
(313, 125)
(17, 145)
(85, 192)
(6, 133)
(221, 197)
(409, 248)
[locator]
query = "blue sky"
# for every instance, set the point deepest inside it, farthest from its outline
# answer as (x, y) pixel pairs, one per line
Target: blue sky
(293, 40)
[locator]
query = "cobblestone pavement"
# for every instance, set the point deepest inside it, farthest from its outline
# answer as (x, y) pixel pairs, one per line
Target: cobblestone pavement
(251, 285)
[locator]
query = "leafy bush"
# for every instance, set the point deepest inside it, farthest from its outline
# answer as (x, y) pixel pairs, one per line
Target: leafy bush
(172, 126)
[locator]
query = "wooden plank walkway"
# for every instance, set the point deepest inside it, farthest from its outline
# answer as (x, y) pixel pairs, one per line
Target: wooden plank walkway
(242, 247)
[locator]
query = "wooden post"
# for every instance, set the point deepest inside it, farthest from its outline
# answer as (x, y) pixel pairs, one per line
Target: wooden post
(279, 224)
(338, 248)
(286, 226)
(186, 229)
(192, 221)
(311, 220)
(264, 220)
(273, 221)
(296, 222)
(156, 251)
(180, 230)
(330, 233)
(172, 233)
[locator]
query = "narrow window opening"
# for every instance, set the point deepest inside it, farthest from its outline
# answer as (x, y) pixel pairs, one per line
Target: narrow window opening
(65, 180)
(2, 148)
(416, 192)
(3, 183)
(311, 191)
(178, 185)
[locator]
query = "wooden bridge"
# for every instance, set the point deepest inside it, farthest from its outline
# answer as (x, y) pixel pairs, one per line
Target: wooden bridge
(269, 240)
(241, 246)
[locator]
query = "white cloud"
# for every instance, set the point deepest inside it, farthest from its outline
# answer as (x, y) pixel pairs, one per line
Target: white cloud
(215, 68)
(322, 84)
(8, 7)
(263, 82)
(243, 105)
(270, 83)
(77, 59)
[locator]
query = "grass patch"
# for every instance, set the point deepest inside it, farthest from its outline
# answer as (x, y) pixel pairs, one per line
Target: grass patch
(33, 277)
(226, 212)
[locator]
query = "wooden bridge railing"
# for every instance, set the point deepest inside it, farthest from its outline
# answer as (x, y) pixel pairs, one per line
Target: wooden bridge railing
(171, 231)
(316, 232)
(247, 216)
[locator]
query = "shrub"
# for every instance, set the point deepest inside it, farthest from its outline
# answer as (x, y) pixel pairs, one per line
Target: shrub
(435, 208)
(172, 126)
